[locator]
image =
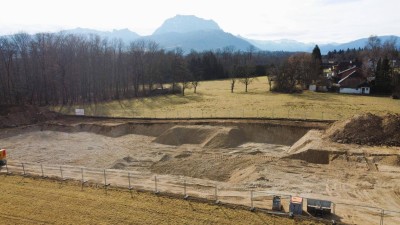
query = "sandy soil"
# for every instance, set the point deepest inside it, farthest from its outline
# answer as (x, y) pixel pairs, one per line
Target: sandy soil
(237, 159)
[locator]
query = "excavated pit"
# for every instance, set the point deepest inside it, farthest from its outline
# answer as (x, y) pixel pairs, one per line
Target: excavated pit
(286, 157)
(198, 149)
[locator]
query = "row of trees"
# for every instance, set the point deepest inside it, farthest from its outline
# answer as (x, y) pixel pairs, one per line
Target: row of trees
(50, 68)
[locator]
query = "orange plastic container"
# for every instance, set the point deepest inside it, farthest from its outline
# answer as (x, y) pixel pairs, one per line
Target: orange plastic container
(3, 154)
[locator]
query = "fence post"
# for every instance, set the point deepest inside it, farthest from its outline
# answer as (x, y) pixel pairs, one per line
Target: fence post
(130, 187)
(105, 181)
(41, 167)
(129, 181)
(216, 194)
(8, 172)
(155, 185)
(23, 169)
(62, 176)
(382, 215)
(83, 180)
(185, 196)
(251, 200)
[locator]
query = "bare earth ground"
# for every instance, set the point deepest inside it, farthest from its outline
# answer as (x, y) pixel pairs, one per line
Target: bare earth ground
(348, 174)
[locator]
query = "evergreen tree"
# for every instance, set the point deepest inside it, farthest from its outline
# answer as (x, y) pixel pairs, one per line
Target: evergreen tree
(382, 76)
(316, 65)
(316, 53)
(378, 69)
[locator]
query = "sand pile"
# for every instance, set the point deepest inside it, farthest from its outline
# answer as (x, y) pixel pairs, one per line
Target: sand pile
(367, 129)
(13, 115)
(121, 164)
(206, 167)
(206, 136)
(226, 138)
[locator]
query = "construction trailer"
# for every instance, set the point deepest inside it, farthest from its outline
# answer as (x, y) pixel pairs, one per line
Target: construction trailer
(318, 207)
(3, 157)
(296, 205)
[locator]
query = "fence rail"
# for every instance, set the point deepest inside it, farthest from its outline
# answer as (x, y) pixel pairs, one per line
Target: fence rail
(272, 113)
(191, 187)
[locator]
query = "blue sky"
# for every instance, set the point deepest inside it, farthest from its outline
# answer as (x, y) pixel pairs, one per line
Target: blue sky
(319, 21)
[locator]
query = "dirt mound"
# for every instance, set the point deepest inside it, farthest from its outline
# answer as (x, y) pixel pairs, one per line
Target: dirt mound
(312, 156)
(226, 138)
(306, 142)
(367, 129)
(206, 136)
(205, 166)
(179, 135)
(393, 160)
(124, 163)
(18, 115)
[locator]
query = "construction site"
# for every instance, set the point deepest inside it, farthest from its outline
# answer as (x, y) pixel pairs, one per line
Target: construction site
(352, 164)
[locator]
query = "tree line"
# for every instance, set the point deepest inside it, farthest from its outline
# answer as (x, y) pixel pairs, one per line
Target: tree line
(58, 68)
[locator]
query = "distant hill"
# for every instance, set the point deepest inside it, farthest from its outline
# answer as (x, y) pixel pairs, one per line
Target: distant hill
(186, 32)
(124, 34)
(359, 43)
(282, 45)
(186, 24)
(193, 33)
(199, 40)
(295, 46)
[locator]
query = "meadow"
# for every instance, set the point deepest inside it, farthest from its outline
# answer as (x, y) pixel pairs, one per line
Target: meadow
(214, 99)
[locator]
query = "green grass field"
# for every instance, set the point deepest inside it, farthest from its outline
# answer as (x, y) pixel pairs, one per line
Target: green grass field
(213, 99)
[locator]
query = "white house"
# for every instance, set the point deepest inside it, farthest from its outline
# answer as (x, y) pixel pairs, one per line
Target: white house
(361, 90)
(354, 83)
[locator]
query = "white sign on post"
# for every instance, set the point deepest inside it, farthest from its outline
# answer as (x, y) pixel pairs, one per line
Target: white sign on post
(79, 112)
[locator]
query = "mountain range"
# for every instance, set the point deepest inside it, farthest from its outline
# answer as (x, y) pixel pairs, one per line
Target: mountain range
(295, 46)
(192, 33)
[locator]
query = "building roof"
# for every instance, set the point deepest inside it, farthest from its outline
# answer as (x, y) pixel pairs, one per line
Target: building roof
(353, 80)
(345, 73)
